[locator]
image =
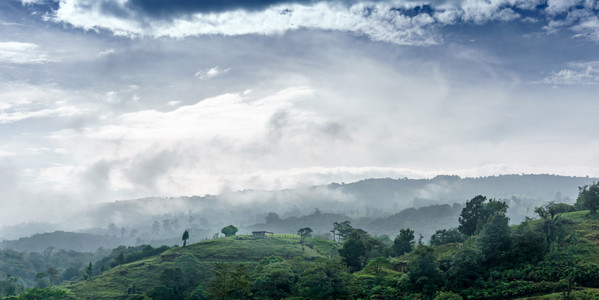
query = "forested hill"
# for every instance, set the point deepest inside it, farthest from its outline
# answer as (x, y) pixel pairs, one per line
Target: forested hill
(447, 189)
(374, 204)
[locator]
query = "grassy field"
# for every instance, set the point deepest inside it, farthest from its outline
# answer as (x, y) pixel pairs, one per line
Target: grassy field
(196, 261)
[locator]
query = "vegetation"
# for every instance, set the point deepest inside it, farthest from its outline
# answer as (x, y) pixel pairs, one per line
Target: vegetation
(185, 237)
(588, 198)
(229, 230)
(553, 257)
(304, 233)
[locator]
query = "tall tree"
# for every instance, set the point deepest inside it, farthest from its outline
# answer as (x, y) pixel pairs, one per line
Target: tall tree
(353, 250)
(477, 212)
(495, 239)
(424, 273)
(359, 247)
(304, 233)
(220, 286)
(471, 215)
(185, 237)
(403, 243)
(88, 271)
(342, 230)
(240, 282)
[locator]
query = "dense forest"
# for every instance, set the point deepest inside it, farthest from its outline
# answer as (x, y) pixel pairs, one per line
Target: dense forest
(555, 254)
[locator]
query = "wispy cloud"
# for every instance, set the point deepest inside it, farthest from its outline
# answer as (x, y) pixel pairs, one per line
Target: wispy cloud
(22, 53)
(21, 101)
(586, 73)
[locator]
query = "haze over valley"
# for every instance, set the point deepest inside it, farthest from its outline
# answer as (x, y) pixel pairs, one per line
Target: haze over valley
(201, 149)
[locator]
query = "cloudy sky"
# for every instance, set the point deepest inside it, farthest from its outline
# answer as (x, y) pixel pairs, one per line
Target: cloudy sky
(117, 99)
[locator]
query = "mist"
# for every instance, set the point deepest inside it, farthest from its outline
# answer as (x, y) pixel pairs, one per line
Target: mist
(100, 107)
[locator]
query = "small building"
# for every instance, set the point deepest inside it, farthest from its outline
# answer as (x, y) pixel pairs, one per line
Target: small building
(261, 234)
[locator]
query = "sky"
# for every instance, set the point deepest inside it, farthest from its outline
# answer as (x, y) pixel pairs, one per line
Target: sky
(103, 100)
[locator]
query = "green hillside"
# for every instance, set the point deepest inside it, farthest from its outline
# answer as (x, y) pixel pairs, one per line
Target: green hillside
(553, 257)
(196, 262)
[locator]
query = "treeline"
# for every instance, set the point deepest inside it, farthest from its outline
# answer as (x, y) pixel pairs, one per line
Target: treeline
(52, 268)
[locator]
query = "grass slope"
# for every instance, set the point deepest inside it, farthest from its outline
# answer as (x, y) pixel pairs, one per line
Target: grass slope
(196, 261)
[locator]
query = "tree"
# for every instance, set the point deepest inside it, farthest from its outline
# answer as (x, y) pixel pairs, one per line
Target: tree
(174, 281)
(424, 273)
(304, 233)
(40, 280)
(185, 237)
(52, 274)
(552, 225)
(403, 243)
(471, 215)
(588, 198)
(118, 260)
(446, 236)
(359, 247)
(324, 280)
(228, 282)
(342, 230)
(529, 245)
(273, 279)
(46, 294)
(353, 250)
(88, 271)
(495, 239)
(477, 212)
(229, 230)
(466, 269)
(240, 282)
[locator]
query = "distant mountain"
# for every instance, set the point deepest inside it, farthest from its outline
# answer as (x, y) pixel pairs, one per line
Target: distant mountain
(373, 204)
(444, 189)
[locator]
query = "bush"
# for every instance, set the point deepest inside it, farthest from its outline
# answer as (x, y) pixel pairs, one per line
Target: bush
(448, 296)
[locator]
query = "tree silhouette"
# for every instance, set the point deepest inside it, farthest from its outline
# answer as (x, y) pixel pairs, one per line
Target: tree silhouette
(304, 233)
(185, 237)
(403, 243)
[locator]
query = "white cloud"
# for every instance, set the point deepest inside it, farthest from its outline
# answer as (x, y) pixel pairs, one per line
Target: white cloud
(63, 111)
(588, 28)
(107, 52)
(20, 101)
(585, 73)
(29, 2)
(229, 115)
(211, 73)
(22, 53)
(382, 24)
(559, 6)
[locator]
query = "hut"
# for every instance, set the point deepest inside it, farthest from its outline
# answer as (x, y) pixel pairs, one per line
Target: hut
(261, 234)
